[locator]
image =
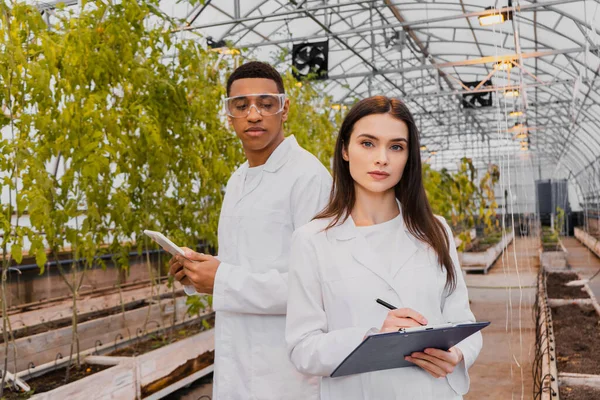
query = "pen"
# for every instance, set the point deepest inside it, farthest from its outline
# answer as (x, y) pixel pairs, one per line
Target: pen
(386, 304)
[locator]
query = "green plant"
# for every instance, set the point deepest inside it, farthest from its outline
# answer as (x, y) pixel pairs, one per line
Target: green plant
(116, 126)
(461, 200)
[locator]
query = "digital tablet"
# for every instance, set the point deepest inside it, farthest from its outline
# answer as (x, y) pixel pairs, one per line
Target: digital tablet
(165, 243)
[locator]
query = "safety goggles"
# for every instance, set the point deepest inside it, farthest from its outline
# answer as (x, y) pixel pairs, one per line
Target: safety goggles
(266, 104)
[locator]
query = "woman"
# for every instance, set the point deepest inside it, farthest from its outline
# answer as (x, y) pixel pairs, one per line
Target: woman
(377, 238)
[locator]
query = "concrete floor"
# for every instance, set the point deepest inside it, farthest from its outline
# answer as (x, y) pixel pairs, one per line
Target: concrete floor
(505, 297)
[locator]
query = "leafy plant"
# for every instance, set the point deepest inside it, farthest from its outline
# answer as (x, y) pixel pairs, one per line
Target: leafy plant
(116, 126)
(464, 202)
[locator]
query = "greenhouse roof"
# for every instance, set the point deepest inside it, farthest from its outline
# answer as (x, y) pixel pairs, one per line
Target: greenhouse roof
(543, 62)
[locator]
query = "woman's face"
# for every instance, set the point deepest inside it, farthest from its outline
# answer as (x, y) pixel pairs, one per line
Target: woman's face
(377, 152)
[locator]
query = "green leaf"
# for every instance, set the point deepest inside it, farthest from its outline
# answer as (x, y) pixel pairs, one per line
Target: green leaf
(17, 253)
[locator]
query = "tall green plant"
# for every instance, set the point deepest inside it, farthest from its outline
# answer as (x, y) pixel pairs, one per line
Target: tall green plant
(18, 27)
(461, 199)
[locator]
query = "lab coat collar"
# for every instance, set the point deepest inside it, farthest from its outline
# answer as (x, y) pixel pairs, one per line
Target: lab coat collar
(275, 161)
(364, 255)
(281, 154)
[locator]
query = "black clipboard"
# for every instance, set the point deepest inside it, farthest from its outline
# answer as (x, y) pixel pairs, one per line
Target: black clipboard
(387, 350)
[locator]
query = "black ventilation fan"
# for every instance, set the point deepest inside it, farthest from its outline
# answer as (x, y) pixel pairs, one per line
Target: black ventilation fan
(477, 100)
(310, 60)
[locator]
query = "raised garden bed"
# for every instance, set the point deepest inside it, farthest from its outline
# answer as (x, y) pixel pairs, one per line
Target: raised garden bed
(553, 254)
(545, 371)
(579, 393)
(491, 249)
(555, 285)
(186, 354)
(97, 334)
(162, 338)
(59, 315)
(575, 335)
(55, 378)
(589, 240)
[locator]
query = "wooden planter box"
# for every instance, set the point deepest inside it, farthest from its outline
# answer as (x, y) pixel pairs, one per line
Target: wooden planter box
(588, 240)
(130, 375)
(482, 261)
(59, 313)
(569, 378)
(117, 382)
(554, 260)
(105, 332)
(549, 371)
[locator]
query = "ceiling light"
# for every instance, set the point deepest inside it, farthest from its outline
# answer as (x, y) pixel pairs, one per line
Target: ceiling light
(511, 93)
(515, 114)
(433, 153)
(423, 148)
(492, 17)
(503, 66)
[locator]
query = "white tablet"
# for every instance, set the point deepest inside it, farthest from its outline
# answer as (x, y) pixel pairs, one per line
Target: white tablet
(165, 243)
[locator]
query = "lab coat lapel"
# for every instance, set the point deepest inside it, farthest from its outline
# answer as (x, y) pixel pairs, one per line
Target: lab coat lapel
(250, 186)
(360, 249)
(275, 161)
(405, 249)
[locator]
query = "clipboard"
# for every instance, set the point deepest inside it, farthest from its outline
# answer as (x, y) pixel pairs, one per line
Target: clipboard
(387, 350)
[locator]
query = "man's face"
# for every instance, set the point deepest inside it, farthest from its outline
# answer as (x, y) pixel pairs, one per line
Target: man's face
(257, 132)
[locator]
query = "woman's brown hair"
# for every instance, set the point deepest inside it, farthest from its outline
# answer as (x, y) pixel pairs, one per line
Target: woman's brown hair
(416, 210)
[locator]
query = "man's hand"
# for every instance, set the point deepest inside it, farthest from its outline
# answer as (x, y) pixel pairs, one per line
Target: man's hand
(438, 363)
(195, 269)
(175, 267)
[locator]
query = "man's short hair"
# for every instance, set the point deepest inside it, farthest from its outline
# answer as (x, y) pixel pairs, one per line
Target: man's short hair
(256, 69)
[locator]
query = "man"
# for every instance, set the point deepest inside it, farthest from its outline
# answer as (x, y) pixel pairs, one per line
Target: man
(280, 188)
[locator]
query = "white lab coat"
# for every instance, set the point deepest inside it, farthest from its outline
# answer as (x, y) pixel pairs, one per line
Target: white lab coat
(250, 293)
(334, 281)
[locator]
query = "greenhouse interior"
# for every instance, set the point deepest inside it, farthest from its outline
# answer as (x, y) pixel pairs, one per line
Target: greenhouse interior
(151, 248)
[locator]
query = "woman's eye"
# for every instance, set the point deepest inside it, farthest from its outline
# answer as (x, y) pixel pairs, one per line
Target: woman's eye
(396, 147)
(367, 144)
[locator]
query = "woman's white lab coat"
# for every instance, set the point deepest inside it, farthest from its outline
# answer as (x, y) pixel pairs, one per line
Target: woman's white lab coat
(333, 283)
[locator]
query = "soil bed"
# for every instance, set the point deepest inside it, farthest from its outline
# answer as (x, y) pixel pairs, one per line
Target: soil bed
(556, 289)
(54, 379)
(577, 333)
(159, 340)
(551, 247)
(578, 393)
(480, 245)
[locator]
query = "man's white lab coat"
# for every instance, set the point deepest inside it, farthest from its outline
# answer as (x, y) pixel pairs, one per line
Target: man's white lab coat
(250, 293)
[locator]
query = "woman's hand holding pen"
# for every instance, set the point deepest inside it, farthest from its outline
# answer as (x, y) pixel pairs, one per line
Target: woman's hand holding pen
(402, 318)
